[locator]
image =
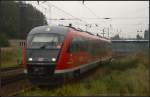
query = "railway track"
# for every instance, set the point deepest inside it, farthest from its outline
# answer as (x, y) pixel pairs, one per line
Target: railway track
(11, 71)
(9, 68)
(14, 88)
(13, 81)
(15, 84)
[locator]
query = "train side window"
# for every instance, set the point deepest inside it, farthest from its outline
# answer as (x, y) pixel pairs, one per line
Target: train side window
(72, 45)
(89, 46)
(83, 44)
(69, 50)
(79, 44)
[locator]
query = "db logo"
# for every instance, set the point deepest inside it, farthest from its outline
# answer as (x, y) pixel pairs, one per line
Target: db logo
(40, 59)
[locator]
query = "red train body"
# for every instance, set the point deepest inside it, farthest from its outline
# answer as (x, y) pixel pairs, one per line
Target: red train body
(63, 51)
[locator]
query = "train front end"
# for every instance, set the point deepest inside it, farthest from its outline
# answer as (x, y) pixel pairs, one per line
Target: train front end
(42, 53)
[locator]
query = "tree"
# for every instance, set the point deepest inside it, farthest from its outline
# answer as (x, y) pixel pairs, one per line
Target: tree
(3, 40)
(17, 19)
(29, 18)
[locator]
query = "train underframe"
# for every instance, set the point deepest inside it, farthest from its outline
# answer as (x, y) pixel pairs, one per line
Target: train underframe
(46, 74)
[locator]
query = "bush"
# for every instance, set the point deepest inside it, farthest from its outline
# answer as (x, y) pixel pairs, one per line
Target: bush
(14, 55)
(3, 40)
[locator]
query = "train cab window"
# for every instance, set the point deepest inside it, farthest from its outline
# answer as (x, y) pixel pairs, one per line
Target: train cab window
(46, 41)
(83, 44)
(72, 45)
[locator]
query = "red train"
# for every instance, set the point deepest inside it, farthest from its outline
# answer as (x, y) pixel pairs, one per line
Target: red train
(58, 52)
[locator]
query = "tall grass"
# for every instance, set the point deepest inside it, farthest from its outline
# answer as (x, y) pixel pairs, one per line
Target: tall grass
(127, 77)
(11, 56)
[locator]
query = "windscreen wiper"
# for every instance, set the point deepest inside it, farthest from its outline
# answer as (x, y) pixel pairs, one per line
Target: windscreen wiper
(43, 46)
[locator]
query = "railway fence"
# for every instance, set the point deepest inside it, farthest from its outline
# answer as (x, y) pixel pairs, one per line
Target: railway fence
(128, 47)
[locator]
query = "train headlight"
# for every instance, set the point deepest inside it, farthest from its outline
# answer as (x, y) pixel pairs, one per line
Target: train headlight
(53, 59)
(30, 59)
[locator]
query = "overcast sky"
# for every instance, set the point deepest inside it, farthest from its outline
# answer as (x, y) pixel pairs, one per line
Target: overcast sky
(126, 16)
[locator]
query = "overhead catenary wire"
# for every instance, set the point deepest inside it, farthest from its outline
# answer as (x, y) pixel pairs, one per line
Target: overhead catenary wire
(65, 12)
(114, 18)
(70, 14)
(139, 10)
(95, 14)
(91, 11)
(104, 18)
(75, 18)
(96, 17)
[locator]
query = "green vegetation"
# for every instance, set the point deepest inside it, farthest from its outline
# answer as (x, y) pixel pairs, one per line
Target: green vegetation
(128, 76)
(11, 56)
(3, 40)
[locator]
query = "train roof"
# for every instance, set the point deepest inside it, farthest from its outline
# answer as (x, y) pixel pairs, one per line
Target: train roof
(63, 30)
(54, 29)
(129, 40)
(49, 29)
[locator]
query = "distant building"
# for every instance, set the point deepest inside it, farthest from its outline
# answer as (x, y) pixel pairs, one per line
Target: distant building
(116, 37)
(17, 43)
(138, 37)
(127, 47)
(146, 34)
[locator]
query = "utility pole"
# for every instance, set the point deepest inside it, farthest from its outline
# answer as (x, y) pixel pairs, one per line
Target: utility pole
(0, 28)
(82, 1)
(0, 46)
(49, 10)
(103, 32)
(38, 2)
(108, 32)
(86, 26)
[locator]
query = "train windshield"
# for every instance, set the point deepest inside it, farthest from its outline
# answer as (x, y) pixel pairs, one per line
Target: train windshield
(44, 41)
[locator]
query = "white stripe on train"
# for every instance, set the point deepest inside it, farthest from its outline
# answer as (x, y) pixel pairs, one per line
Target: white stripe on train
(78, 67)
